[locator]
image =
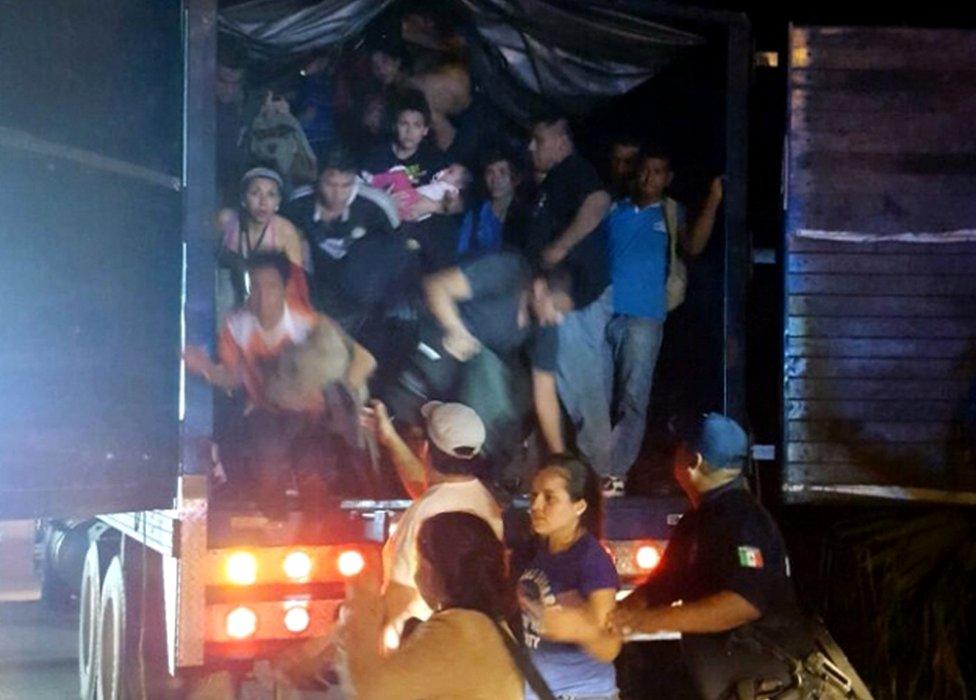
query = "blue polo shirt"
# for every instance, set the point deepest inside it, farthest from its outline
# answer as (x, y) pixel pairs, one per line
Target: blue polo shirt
(637, 242)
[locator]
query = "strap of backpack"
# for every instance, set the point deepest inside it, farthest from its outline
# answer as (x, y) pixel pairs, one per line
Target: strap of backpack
(525, 665)
(670, 211)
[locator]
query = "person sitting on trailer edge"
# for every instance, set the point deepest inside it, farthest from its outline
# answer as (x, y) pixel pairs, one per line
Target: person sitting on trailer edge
(723, 581)
(285, 425)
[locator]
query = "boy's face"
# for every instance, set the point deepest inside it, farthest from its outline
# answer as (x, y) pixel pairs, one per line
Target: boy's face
(411, 128)
(653, 177)
(267, 298)
(335, 188)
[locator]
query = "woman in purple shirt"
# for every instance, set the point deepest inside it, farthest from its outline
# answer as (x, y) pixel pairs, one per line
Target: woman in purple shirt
(567, 585)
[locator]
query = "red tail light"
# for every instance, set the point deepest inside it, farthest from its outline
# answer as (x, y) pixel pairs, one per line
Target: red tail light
(241, 623)
(351, 563)
(647, 557)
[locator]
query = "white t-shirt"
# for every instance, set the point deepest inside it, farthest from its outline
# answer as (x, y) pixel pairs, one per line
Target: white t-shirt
(400, 550)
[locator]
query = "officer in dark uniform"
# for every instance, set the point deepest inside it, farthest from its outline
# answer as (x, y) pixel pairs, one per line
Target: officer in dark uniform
(726, 563)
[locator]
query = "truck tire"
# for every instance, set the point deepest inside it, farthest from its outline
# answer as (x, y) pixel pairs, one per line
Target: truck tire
(66, 545)
(111, 633)
(89, 603)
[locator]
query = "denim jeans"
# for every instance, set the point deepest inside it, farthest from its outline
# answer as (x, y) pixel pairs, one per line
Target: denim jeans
(583, 378)
(635, 343)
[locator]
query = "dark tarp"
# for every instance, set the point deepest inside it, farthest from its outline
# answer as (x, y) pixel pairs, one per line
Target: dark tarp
(569, 52)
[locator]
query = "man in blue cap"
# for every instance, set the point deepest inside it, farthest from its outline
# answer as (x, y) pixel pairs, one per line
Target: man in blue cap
(723, 582)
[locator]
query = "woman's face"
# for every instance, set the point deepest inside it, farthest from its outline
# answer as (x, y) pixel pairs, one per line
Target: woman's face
(262, 199)
(552, 509)
(499, 180)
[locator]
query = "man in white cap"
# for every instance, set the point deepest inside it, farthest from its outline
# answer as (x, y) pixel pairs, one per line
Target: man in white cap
(441, 480)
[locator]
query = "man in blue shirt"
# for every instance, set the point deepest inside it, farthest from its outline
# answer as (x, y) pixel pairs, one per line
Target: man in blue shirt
(642, 254)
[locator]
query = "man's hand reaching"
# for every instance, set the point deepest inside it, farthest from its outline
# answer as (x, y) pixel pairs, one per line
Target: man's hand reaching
(375, 418)
(198, 362)
(460, 344)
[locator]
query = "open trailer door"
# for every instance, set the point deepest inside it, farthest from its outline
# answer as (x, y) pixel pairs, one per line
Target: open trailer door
(880, 318)
(92, 173)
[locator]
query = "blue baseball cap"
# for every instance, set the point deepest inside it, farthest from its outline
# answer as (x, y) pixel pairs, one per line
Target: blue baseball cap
(720, 440)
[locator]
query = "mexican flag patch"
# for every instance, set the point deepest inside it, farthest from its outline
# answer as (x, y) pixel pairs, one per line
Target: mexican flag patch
(750, 557)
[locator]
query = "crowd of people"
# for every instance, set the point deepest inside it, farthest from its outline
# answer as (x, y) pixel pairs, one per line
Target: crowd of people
(455, 616)
(471, 262)
(413, 296)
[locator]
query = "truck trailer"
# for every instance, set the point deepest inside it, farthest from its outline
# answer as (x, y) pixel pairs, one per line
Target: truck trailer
(108, 139)
(109, 171)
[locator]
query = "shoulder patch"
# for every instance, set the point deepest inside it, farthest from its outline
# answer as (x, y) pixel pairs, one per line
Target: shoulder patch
(750, 557)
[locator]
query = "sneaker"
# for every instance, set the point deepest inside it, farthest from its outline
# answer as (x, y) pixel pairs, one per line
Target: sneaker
(612, 486)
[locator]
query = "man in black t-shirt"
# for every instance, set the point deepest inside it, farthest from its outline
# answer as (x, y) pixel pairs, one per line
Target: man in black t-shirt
(410, 147)
(484, 318)
(433, 237)
(726, 562)
(566, 238)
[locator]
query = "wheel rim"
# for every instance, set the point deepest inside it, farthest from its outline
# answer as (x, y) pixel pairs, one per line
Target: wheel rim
(88, 612)
(86, 629)
(110, 634)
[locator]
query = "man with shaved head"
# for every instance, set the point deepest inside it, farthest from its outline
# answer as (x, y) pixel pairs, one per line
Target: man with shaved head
(565, 240)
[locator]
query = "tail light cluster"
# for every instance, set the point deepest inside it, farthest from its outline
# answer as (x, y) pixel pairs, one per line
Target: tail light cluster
(282, 571)
(271, 565)
(635, 558)
(270, 620)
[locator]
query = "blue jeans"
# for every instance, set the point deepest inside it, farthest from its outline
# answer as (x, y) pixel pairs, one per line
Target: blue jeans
(635, 344)
(583, 378)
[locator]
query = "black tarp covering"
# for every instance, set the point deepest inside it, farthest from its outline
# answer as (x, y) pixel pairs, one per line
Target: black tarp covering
(569, 52)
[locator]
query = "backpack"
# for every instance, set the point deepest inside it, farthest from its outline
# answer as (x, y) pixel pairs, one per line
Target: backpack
(677, 273)
(277, 139)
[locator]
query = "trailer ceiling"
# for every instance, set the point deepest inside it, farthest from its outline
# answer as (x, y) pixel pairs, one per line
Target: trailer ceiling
(570, 52)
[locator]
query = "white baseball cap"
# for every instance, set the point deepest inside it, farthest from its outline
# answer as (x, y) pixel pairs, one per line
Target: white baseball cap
(454, 428)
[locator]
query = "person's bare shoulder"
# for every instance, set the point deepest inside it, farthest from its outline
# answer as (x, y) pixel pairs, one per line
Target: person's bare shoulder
(286, 228)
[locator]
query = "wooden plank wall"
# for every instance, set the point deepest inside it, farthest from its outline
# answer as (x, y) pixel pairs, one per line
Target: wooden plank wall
(880, 335)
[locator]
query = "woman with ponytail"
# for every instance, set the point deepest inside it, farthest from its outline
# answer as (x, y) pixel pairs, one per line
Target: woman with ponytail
(567, 584)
